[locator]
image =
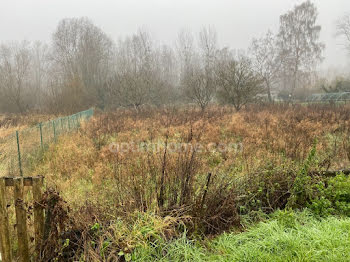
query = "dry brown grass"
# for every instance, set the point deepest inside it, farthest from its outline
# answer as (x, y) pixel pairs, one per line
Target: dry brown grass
(29, 137)
(276, 140)
(10, 123)
(103, 186)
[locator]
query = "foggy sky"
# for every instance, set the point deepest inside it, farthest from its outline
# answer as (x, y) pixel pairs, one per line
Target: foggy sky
(236, 21)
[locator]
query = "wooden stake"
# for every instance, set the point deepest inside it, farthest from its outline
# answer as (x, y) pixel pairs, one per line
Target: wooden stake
(5, 244)
(38, 210)
(21, 220)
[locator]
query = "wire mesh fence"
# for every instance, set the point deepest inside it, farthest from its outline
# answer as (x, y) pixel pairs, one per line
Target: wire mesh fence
(21, 149)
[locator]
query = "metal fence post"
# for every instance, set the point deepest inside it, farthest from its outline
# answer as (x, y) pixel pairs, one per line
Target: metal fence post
(54, 130)
(41, 135)
(77, 121)
(19, 154)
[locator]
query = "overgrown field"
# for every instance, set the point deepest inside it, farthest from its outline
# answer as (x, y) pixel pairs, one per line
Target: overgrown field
(165, 184)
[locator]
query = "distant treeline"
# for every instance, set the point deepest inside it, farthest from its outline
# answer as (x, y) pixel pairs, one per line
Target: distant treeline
(83, 67)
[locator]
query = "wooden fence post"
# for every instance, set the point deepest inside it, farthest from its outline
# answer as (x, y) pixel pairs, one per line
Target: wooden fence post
(21, 217)
(5, 246)
(38, 210)
(21, 220)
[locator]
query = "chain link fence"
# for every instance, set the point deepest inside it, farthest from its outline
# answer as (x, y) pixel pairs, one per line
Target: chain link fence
(21, 149)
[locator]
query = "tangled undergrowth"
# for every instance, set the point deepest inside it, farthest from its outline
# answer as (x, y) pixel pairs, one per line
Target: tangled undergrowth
(213, 171)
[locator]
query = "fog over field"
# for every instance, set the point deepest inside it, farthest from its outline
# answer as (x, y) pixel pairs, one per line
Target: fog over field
(236, 21)
(63, 56)
(174, 130)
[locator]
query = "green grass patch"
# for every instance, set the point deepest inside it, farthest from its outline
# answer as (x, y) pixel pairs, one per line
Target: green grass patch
(287, 236)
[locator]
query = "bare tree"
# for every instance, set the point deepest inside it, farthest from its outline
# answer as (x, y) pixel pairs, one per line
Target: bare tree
(298, 41)
(15, 62)
(39, 71)
(207, 43)
(144, 72)
(185, 47)
(134, 70)
(83, 54)
(266, 60)
(198, 77)
(199, 87)
(169, 72)
(238, 84)
(343, 29)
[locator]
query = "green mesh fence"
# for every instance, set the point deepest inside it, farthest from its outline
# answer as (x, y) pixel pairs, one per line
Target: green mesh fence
(19, 151)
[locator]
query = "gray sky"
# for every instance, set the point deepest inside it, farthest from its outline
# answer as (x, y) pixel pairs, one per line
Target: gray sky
(236, 21)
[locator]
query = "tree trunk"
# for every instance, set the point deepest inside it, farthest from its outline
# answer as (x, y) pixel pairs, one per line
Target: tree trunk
(268, 90)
